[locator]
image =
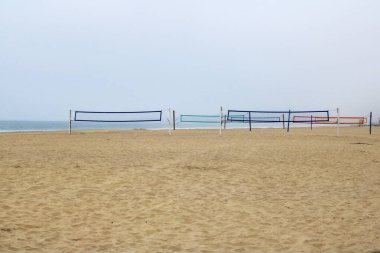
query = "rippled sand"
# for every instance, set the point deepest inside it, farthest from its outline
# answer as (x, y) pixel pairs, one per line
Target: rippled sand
(194, 191)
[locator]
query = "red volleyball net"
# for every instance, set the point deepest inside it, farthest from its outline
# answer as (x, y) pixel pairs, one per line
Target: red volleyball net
(344, 120)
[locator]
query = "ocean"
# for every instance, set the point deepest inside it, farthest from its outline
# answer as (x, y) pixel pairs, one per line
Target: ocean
(23, 125)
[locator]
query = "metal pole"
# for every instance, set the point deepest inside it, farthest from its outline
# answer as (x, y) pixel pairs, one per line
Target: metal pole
(70, 121)
(370, 123)
(288, 121)
(221, 120)
(170, 127)
(250, 124)
(173, 119)
(283, 121)
(338, 123)
(311, 122)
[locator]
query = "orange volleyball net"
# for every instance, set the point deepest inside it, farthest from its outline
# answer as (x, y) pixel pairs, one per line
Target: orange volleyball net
(343, 120)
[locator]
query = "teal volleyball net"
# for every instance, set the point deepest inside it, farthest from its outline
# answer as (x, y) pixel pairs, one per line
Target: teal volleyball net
(212, 118)
(201, 118)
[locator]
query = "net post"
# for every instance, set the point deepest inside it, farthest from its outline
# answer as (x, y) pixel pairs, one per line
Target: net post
(225, 121)
(283, 121)
(338, 122)
(70, 121)
(370, 123)
(250, 123)
(311, 122)
(173, 119)
(288, 121)
(221, 120)
(170, 127)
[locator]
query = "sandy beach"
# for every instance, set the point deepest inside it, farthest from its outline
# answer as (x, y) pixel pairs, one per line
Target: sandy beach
(193, 191)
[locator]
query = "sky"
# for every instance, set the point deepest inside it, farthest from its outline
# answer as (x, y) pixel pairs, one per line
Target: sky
(193, 56)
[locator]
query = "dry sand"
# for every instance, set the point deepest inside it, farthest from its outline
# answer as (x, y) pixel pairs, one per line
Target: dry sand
(194, 191)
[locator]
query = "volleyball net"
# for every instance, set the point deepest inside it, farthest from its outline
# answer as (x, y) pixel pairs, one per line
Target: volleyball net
(130, 116)
(219, 119)
(201, 118)
(210, 118)
(332, 120)
(277, 116)
(273, 117)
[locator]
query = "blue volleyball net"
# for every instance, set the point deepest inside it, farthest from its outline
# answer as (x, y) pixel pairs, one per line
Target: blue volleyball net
(131, 116)
(272, 117)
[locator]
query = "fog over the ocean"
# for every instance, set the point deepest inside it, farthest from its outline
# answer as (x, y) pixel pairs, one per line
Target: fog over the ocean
(193, 56)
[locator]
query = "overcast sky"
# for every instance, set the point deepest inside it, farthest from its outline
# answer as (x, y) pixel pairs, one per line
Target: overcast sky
(193, 56)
